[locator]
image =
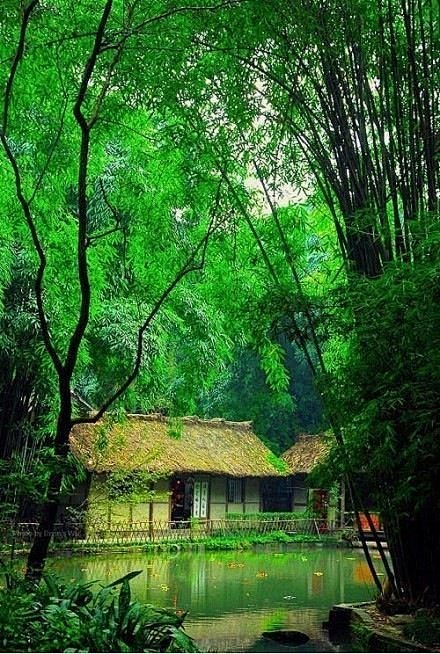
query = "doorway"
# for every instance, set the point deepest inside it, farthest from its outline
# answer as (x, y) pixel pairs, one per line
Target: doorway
(181, 501)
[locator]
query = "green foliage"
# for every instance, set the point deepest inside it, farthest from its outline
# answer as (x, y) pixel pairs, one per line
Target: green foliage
(272, 363)
(268, 515)
(361, 637)
(385, 386)
(244, 121)
(57, 617)
(175, 428)
(238, 541)
(277, 463)
(132, 486)
(425, 629)
(219, 543)
(149, 203)
(241, 392)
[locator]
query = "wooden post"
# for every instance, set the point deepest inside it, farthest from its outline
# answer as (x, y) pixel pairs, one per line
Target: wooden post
(150, 520)
(342, 504)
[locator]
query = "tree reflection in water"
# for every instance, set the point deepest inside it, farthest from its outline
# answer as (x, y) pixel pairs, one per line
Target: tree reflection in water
(233, 597)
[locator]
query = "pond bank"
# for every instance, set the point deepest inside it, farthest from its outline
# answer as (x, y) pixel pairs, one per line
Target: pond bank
(210, 544)
(201, 544)
(372, 630)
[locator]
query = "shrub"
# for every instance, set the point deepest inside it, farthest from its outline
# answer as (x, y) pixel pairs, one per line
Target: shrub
(424, 629)
(58, 617)
(266, 515)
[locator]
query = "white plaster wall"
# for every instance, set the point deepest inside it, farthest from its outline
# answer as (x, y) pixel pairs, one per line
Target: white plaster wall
(235, 507)
(161, 502)
(141, 512)
(120, 513)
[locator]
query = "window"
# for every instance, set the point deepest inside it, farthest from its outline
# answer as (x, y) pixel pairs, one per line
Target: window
(235, 492)
(300, 497)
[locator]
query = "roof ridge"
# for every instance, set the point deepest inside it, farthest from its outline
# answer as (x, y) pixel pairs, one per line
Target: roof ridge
(212, 422)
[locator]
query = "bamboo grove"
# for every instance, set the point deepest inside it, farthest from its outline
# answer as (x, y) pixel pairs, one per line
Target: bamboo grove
(237, 176)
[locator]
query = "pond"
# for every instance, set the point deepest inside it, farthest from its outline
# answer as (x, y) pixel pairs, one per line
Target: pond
(233, 597)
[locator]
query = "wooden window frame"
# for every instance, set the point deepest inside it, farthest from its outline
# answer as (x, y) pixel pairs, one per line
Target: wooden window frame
(235, 490)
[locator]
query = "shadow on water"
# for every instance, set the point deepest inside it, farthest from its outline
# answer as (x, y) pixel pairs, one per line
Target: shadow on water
(233, 597)
(288, 637)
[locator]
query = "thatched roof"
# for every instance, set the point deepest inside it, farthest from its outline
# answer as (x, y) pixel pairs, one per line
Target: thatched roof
(308, 450)
(155, 444)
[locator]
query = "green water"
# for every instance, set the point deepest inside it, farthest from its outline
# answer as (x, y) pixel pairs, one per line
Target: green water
(232, 597)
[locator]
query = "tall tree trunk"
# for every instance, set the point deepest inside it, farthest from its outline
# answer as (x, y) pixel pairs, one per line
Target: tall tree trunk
(414, 542)
(40, 546)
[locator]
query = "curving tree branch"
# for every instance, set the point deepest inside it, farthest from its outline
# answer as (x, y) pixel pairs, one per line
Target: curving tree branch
(190, 265)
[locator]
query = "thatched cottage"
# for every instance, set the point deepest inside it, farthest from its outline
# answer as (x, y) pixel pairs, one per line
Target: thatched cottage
(301, 459)
(150, 468)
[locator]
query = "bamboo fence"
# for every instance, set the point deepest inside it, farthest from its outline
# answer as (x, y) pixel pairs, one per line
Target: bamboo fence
(97, 534)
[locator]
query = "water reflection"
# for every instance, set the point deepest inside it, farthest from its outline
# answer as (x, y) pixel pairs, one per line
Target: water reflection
(232, 597)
